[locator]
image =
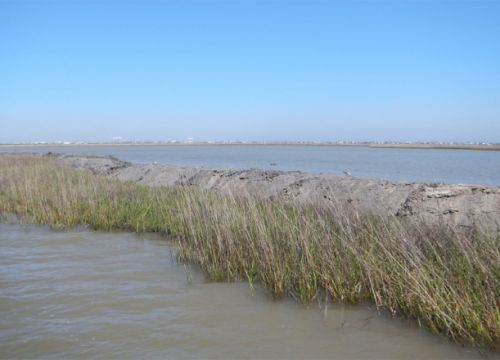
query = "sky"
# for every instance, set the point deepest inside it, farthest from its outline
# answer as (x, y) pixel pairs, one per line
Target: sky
(250, 70)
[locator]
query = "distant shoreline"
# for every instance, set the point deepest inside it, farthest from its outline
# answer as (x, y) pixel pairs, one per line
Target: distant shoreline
(438, 147)
(477, 147)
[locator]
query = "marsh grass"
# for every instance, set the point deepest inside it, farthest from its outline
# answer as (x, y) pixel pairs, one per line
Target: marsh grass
(447, 279)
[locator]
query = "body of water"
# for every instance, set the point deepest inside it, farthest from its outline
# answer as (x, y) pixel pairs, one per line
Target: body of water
(82, 294)
(421, 165)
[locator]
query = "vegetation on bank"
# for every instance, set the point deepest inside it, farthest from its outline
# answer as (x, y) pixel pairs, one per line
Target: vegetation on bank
(445, 278)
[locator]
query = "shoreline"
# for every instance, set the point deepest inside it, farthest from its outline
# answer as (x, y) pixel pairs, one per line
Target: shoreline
(297, 243)
(454, 204)
(494, 147)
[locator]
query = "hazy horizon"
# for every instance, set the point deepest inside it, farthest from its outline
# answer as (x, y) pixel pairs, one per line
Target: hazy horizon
(187, 141)
(250, 71)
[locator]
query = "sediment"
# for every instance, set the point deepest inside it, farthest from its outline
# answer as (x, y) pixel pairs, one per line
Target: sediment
(457, 204)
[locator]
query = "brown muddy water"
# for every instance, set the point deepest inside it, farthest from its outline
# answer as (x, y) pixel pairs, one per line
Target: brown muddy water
(83, 294)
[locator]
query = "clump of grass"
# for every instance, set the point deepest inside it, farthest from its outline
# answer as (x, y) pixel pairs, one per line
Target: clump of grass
(43, 191)
(447, 279)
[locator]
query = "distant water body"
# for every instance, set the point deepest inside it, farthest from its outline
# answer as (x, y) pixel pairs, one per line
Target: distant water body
(420, 165)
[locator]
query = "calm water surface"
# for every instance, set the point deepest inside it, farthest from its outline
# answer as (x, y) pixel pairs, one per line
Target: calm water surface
(427, 165)
(83, 294)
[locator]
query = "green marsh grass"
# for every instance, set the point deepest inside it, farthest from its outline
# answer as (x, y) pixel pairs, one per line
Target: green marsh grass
(447, 279)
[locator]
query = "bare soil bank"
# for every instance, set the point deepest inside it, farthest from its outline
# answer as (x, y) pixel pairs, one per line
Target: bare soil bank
(464, 205)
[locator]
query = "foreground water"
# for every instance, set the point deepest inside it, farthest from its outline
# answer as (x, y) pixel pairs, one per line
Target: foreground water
(84, 294)
(422, 165)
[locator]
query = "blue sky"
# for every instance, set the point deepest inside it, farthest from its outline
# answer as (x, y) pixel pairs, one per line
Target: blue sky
(250, 70)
